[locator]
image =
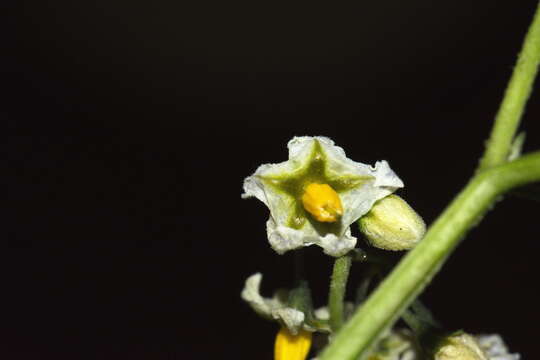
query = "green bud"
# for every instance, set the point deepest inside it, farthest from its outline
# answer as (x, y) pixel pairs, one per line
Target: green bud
(392, 224)
(460, 346)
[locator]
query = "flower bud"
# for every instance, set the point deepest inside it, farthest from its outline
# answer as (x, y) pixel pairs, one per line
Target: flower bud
(392, 224)
(292, 347)
(460, 347)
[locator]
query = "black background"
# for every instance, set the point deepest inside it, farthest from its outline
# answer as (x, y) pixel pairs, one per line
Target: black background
(130, 127)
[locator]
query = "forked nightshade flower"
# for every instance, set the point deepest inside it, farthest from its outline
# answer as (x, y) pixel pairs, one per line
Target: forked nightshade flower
(317, 194)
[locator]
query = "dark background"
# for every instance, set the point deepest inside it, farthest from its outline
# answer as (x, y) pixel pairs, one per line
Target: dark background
(130, 127)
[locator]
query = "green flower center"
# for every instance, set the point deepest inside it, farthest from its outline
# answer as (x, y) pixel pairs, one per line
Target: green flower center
(313, 170)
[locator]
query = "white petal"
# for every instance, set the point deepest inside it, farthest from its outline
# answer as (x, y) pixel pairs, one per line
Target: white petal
(322, 313)
(336, 246)
(293, 319)
(272, 308)
(254, 188)
(252, 296)
(495, 348)
(284, 238)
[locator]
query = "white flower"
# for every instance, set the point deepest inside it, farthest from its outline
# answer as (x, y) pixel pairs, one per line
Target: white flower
(274, 308)
(317, 194)
(493, 345)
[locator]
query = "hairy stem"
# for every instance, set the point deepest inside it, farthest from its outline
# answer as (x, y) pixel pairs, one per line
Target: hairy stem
(338, 285)
(517, 92)
(419, 266)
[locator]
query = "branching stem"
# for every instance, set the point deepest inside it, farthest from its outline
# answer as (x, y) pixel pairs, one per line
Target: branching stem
(513, 104)
(419, 266)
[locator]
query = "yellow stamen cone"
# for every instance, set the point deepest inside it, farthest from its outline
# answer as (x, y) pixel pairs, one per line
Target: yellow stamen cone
(292, 347)
(323, 202)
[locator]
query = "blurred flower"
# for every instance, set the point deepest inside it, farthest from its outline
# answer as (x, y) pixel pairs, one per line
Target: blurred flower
(400, 344)
(461, 346)
(495, 348)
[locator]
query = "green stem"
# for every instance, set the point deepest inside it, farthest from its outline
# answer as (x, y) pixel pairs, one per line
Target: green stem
(517, 93)
(419, 266)
(419, 319)
(362, 289)
(338, 285)
(416, 325)
(423, 313)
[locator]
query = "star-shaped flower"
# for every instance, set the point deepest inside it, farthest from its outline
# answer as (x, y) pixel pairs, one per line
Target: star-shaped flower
(317, 194)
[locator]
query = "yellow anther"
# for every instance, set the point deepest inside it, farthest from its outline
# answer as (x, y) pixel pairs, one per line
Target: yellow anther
(292, 347)
(323, 202)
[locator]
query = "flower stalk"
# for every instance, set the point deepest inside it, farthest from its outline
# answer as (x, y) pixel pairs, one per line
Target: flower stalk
(338, 286)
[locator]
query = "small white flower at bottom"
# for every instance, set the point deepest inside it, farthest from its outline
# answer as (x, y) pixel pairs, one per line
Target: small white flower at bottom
(275, 308)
